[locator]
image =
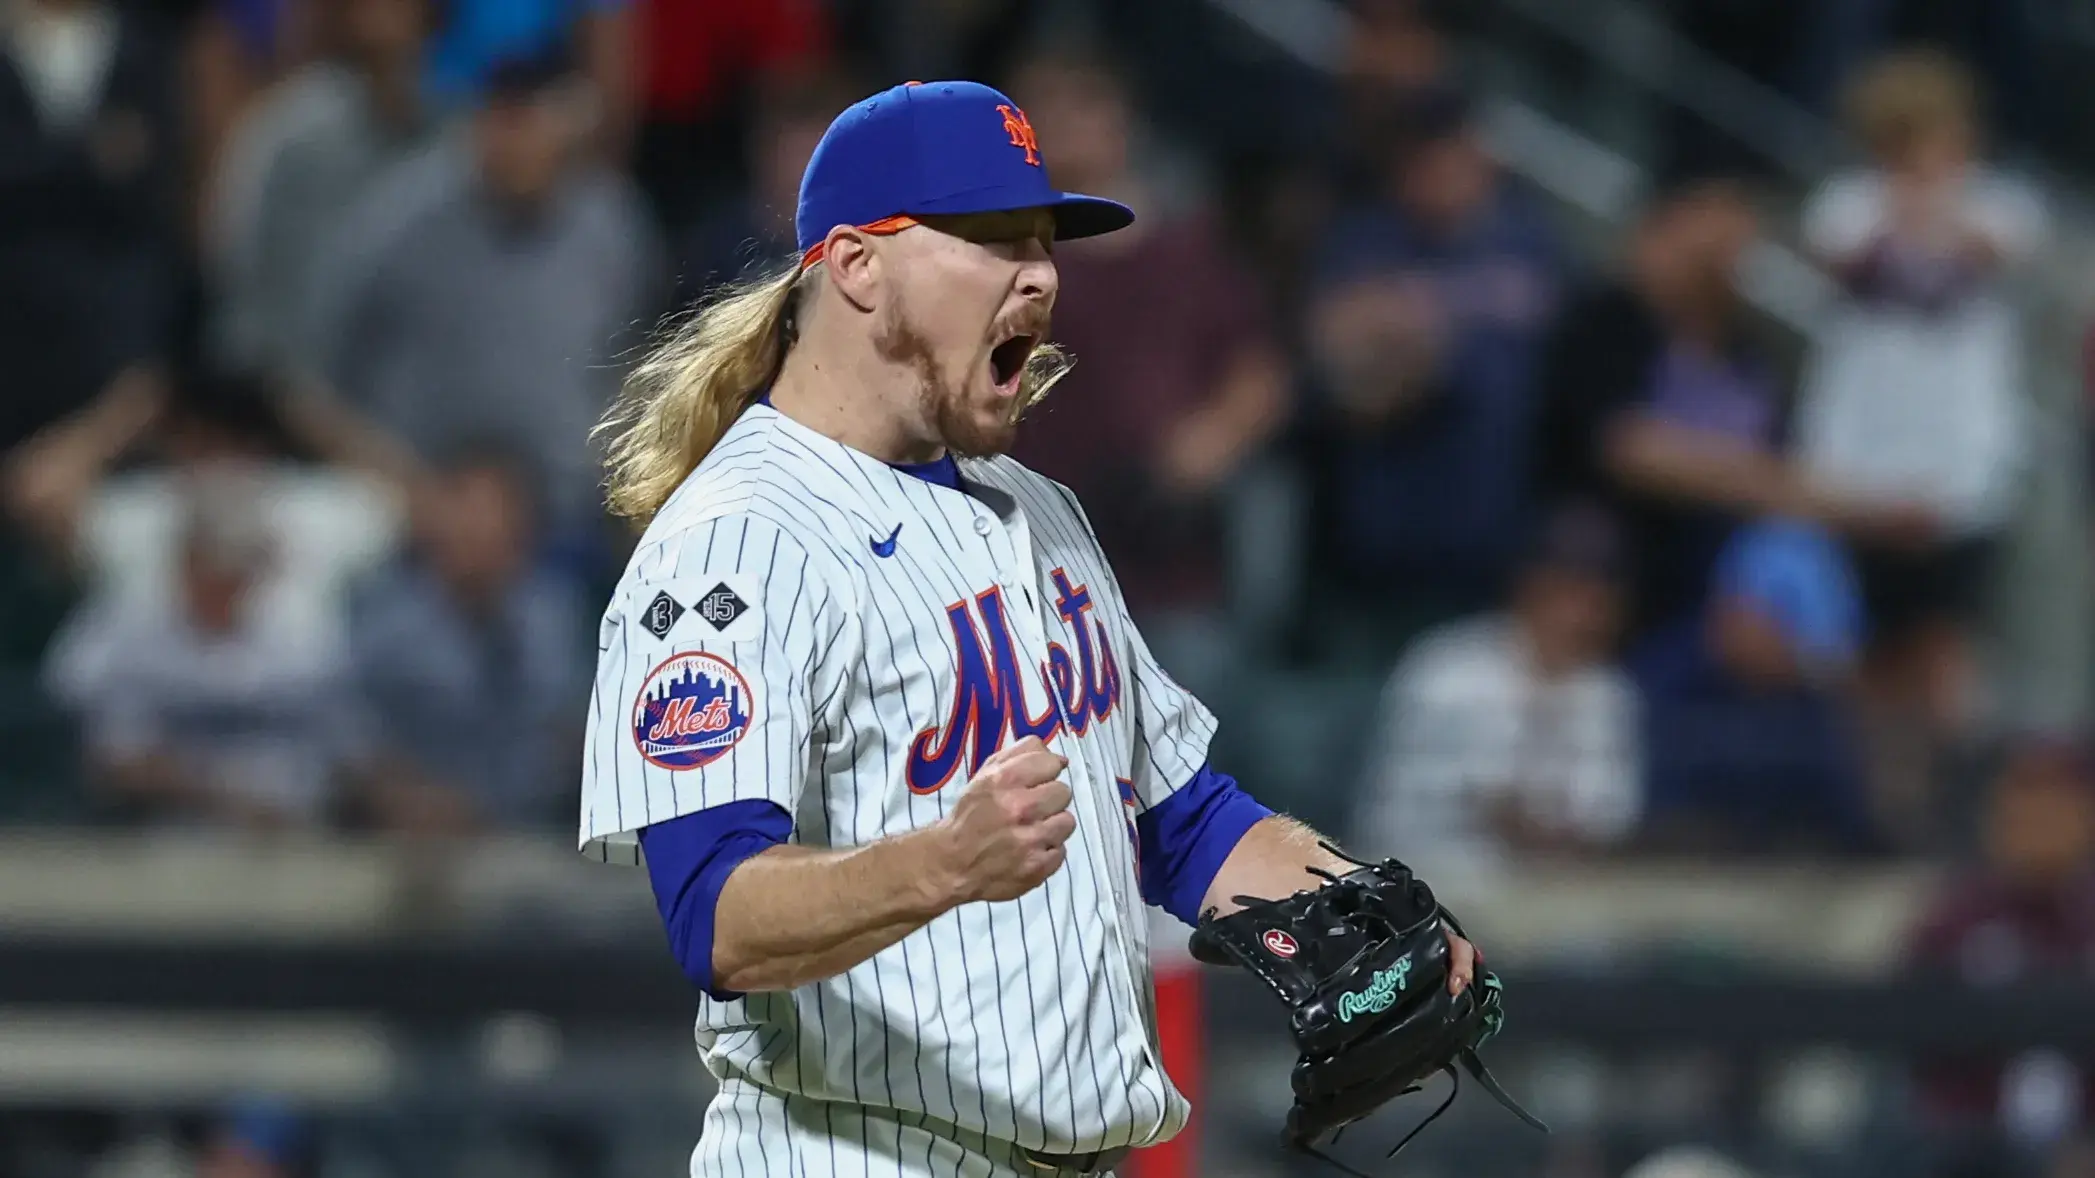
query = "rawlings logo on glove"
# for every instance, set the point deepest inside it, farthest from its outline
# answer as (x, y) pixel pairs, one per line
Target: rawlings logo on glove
(1378, 997)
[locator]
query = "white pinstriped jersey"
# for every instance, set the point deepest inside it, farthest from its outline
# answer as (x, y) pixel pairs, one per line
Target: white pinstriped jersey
(804, 624)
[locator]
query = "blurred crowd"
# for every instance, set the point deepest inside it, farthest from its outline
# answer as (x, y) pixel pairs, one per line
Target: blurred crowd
(313, 304)
(310, 306)
(1483, 543)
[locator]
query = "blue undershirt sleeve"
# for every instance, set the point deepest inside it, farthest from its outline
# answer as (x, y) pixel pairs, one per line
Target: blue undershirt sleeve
(688, 862)
(1186, 837)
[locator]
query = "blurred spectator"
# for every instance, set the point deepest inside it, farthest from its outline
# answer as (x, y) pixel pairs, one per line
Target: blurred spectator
(472, 663)
(90, 169)
(1423, 330)
(234, 50)
(1394, 60)
(703, 65)
(300, 161)
(325, 526)
(1749, 743)
(1914, 397)
(1657, 401)
(2025, 911)
(1177, 381)
(49, 479)
(1510, 732)
(2005, 42)
(205, 705)
(490, 286)
(752, 232)
(477, 39)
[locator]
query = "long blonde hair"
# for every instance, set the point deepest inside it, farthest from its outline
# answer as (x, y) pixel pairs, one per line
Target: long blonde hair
(682, 397)
(712, 365)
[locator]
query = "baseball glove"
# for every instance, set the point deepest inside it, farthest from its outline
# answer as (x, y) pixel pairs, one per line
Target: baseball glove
(1362, 966)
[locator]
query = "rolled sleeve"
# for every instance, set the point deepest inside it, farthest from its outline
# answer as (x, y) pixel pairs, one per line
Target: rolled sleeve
(1187, 837)
(688, 861)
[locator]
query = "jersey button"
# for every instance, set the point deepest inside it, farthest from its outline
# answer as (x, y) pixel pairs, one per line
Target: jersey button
(981, 526)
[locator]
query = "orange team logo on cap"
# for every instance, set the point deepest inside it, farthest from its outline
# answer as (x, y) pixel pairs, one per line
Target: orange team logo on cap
(1021, 132)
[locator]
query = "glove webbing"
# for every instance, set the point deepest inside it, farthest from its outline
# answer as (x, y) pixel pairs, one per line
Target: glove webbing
(1343, 1168)
(1477, 1069)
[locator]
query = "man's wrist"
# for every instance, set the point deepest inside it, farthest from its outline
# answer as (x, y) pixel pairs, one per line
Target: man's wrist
(935, 885)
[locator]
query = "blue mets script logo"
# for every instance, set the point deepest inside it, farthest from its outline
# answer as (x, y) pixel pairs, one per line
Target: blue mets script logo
(989, 695)
(690, 711)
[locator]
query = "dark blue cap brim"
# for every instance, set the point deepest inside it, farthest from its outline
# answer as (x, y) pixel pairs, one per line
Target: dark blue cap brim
(1077, 215)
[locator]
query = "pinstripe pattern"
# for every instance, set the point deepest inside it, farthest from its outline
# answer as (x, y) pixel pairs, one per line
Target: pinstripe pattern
(1026, 1023)
(755, 1132)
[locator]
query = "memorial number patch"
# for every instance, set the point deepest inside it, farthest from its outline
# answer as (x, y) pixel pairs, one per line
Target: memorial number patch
(662, 614)
(721, 607)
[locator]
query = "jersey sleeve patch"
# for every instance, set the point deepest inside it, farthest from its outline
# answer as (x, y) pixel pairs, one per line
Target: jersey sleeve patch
(692, 708)
(723, 607)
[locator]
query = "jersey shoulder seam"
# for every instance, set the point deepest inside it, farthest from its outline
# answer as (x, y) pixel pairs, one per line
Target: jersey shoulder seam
(822, 547)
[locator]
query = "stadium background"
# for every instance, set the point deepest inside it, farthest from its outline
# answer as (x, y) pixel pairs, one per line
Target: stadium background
(1399, 418)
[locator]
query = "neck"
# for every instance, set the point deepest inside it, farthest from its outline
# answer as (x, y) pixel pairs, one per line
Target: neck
(844, 392)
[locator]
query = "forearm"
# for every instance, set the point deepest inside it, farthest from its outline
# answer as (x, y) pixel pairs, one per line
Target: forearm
(118, 418)
(1685, 464)
(1214, 440)
(1271, 861)
(1251, 400)
(792, 915)
(317, 418)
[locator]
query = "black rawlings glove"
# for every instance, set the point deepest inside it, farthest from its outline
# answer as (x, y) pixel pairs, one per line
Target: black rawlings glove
(1362, 965)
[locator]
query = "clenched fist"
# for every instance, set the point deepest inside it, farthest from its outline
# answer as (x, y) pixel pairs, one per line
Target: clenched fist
(1004, 836)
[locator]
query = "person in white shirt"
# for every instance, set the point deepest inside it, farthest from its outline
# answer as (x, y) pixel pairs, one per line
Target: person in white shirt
(1913, 394)
(213, 704)
(1511, 731)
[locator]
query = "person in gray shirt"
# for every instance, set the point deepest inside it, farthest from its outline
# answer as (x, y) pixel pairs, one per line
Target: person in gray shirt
(470, 661)
(492, 285)
(297, 164)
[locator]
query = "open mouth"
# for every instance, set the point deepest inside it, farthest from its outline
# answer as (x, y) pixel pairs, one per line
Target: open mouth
(1007, 361)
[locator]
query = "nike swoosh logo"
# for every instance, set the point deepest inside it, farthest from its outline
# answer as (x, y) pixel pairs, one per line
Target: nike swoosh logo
(885, 547)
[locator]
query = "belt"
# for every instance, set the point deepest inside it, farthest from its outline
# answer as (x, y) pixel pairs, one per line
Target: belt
(1096, 1162)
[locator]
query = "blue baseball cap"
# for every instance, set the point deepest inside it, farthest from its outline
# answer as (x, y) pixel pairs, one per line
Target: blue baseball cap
(1799, 577)
(929, 148)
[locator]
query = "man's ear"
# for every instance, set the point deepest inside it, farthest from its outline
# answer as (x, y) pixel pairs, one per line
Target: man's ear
(854, 265)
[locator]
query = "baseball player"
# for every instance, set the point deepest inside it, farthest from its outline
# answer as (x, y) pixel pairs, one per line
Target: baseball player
(869, 705)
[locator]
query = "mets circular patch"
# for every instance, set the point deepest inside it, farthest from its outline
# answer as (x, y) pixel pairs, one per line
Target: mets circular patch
(692, 708)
